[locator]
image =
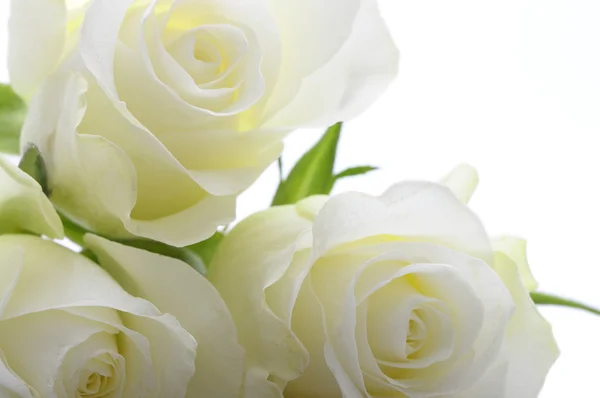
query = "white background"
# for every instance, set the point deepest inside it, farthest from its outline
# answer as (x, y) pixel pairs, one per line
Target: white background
(512, 87)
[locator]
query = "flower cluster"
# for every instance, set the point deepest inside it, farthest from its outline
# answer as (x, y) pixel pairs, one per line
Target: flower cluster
(146, 119)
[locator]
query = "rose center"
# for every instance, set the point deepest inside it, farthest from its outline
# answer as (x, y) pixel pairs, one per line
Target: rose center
(99, 377)
(210, 54)
(416, 334)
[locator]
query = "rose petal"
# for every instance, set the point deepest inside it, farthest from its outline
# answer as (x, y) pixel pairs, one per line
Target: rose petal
(353, 79)
(462, 181)
(308, 324)
(516, 250)
(11, 385)
(23, 205)
(91, 179)
(530, 344)
(220, 360)
(37, 32)
(246, 277)
(408, 211)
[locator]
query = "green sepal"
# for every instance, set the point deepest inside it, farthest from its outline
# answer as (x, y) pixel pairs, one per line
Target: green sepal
(33, 164)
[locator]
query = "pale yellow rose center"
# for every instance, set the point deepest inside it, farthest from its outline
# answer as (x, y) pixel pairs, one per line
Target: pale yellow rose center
(100, 377)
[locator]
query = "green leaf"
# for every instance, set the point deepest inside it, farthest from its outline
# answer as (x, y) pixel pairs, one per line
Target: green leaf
(313, 174)
(548, 299)
(207, 249)
(355, 171)
(12, 115)
(33, 164)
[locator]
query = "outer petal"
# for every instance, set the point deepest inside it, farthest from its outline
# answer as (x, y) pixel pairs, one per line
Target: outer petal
(353, 79)
(91, 179)
(37, 32)
(308, 324)
(259, 274)
(11, 385)
(408, 211)
(516, 250)
(491, 385)
(463, 181)
(23, 205)
(175, 288)
(313, 31)
(530, 346)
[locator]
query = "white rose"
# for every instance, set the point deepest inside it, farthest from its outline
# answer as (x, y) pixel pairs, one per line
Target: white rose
(401, 295)
(68, 329)
(183, 103)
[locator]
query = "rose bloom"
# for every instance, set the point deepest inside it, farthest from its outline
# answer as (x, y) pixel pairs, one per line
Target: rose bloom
(142, 325)
(402, 295)
(179, 105)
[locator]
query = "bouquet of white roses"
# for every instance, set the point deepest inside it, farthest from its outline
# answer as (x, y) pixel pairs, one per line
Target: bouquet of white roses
(139, 122)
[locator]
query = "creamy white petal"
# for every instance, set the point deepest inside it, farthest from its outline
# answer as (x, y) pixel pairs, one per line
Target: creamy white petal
(220, 359)
(256, 385)
(11, 266)
(463, 181)
(11, 385)
(246, 276)
(491, 385)
(225, 162)
(353, 79)
(38, 32)
(301, 24)
(91, 179)
(531, 349)
(23, 205)
(308, 325)
(99, 39)
(346, 384)
(516, 250)
(170, 205)
(410, 211)
(304, 23)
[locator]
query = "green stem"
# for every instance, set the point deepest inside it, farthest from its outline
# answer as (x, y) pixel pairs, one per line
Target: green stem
(548, 299)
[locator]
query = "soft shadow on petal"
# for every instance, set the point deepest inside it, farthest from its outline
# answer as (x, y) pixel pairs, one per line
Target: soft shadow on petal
(91, 179)
(37, 32)
(175, 288)
(23, 204)
(254, 262)
(516, 250)
(351, 81)
(411, 211)
(531, 349)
